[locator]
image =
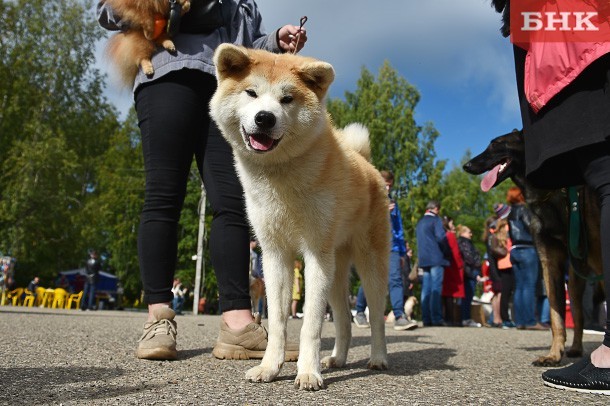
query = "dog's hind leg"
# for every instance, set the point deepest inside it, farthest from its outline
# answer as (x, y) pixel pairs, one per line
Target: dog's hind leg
(576, 287)
(279, 279)
(319, 276)
(338, 300)
(373, 271)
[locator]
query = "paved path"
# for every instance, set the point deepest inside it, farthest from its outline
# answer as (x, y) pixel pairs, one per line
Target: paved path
(87, 358)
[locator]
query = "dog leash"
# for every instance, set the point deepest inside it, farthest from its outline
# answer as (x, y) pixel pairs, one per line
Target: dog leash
(578, 248)
(302, 23)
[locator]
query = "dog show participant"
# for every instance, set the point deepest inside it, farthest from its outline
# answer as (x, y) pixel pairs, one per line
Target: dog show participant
(565, 117)
(172, 107)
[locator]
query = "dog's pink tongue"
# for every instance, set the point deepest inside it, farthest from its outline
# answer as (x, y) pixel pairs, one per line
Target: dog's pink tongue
(489, 180)
(261, 142)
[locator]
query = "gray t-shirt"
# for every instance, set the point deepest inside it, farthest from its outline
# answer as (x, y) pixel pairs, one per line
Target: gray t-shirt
(196, 51)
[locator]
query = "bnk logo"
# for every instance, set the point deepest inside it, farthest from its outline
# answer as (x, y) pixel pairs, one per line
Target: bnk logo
(559, 21)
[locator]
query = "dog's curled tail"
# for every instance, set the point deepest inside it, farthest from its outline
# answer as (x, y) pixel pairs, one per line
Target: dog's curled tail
(356, 137)
(126, 51)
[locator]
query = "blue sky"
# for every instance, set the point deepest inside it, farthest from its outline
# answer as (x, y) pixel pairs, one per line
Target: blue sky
(451, 50)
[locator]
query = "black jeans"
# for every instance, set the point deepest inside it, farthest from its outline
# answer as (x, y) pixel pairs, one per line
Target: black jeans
(594, 163)
(508, 287)
(175, 125)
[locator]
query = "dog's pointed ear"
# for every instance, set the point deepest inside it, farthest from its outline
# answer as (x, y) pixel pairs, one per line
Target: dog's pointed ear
(230, 60)
(317, 76)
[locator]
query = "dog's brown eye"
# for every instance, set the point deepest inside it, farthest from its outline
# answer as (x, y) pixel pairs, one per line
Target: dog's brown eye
(251, 93)
(286, 99)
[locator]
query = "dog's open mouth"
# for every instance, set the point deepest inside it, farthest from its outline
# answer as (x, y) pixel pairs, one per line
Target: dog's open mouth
(491, 178)
(260, 142)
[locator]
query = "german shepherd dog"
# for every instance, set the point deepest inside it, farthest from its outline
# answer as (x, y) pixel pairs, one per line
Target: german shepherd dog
(505, 158)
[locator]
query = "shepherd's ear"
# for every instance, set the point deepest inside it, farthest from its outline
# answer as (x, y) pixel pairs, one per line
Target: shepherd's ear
(230, 60)
(317, 76)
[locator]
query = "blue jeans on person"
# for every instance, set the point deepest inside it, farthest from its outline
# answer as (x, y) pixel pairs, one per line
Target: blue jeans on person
(431, 301)
(469, 287)
(178, 304)
(395, 287)
(88, 299)
(544, 310)
(525, 271)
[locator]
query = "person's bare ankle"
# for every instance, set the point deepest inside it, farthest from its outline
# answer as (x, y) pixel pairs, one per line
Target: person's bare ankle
(153, 306)
(237, 319)
(600, 358)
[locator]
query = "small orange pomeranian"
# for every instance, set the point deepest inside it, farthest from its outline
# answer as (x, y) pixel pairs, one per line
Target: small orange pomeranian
(134, 48)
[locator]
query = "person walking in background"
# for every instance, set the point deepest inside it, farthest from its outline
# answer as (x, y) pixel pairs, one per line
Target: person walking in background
(172, 107)
(179, 292)
(92, 270)
(33, 285)
(500, 248)
(494, 273)
(297, 287)
(432, 254)
(472, 272)
(397, 263)
(524, 260)
(453, 278)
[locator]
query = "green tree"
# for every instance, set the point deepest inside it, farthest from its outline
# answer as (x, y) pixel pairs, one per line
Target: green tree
(386, 105)
(54, 125)
(111, 217)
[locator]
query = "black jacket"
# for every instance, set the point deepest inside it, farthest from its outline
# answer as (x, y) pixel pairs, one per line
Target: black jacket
(471, 257)
(519, 221)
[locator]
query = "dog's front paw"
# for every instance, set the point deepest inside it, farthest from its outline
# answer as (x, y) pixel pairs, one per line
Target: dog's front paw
(147, 67)
(261, 374)
(546, 361)
(332, 362)
(169, 45)
(311, 381)
(186, 5)
(379, 364)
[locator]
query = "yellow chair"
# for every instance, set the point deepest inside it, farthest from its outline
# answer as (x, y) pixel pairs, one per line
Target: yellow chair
(15, 296)
(29, 298)
(47, 297)
(40, 291)
(59, 298)
(74, 298)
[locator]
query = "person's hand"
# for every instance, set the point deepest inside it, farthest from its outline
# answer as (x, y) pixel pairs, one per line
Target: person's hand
(391, 205)
(287, 38)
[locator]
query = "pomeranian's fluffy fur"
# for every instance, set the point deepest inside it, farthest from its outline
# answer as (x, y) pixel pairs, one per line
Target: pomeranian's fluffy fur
(134, 48)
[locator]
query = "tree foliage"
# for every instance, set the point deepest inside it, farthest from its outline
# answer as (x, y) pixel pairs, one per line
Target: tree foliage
(386, 105)
(54, 125)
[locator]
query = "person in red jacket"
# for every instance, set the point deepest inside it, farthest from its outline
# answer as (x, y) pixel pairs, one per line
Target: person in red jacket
(453, 280)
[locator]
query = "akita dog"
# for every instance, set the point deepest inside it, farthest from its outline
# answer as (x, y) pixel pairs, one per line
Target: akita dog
(309, 190)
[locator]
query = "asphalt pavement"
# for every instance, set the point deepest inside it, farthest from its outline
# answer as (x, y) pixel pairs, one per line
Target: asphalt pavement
(69, 357)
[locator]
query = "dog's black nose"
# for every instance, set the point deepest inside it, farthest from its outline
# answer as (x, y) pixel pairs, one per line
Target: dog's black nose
(264, 120)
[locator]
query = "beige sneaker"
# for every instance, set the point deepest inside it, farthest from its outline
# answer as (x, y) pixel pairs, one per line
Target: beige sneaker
(159, 338)
(248, 343)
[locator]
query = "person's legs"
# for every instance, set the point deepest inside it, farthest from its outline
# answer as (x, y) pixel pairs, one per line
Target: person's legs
(84, 301)
(360, 301)
(426, 296)
(436, 276)
(230, 231)
(91, 298)
(525, 271)
(508, 283)
(592, 374)
(171, 123)
(469, 287)
(596, 171)
(395, 285)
